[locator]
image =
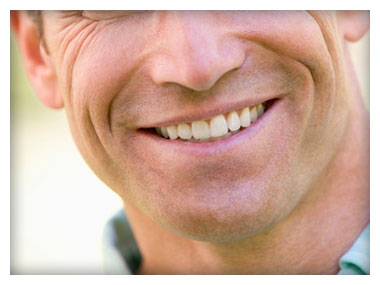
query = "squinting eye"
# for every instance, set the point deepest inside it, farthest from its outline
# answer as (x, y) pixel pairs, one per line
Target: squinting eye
(105, 14)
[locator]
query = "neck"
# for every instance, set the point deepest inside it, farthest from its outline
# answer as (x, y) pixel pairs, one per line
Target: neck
(309, 241)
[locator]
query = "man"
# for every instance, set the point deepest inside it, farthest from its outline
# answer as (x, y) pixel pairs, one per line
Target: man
(238, 141)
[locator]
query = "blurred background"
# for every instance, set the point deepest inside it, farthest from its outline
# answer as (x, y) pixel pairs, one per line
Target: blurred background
(58, 206)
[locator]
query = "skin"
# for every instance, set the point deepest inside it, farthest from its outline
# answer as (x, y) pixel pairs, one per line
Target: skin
(288, 196)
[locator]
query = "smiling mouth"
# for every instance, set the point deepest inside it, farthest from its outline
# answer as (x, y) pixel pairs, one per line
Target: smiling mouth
(218, 127)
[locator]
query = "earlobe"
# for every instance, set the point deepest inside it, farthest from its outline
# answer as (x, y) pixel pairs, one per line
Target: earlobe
(38, 63)
(354, 24)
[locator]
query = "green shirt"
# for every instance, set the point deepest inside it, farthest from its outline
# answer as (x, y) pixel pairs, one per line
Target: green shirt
(122, 256)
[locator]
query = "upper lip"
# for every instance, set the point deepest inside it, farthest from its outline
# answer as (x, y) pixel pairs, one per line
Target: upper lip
(207, 111)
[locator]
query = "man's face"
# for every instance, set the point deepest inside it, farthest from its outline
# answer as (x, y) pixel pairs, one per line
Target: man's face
(123, 74)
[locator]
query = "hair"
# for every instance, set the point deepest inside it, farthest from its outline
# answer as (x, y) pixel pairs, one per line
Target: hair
(36, 17)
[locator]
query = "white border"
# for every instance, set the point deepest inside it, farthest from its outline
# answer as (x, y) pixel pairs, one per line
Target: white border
(164, 4)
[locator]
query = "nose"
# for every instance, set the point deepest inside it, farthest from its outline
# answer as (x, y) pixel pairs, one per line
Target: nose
(194, 50)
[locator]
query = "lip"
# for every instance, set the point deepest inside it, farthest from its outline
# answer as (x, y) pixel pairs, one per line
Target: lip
(206, 113)
(200, 149)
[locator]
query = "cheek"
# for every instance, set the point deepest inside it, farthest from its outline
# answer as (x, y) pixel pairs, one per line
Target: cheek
(105, 65)
(93, 71)
(297, 35)
(95, 60)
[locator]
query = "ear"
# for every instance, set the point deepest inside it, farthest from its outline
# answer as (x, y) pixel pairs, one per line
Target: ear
(354, 24)
(38, 63)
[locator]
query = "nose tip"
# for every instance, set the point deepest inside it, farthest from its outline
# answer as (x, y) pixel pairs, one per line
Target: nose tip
(197, 72)
(194, 51)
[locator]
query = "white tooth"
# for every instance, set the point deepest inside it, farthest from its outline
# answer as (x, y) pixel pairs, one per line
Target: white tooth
(218, 126)
(233, 121)
(184, 131)
(164, 132)
(245, 117)
(172, 132)
(200, 130)
(260, 110)
(253, 113)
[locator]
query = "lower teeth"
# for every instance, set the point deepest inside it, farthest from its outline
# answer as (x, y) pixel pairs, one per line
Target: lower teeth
(212, 139)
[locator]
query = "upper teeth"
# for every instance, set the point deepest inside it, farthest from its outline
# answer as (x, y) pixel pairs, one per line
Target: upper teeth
(218, 126)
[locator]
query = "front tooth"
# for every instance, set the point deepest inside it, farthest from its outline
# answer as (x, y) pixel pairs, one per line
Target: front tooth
(260, 110)
(172, 132)
(253, 113)
(233, 121)
(164, 132)
(218, 126)
(200, 130)
(184, 131)
(245, 117)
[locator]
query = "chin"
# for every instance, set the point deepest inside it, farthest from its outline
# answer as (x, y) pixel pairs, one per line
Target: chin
(227, 213)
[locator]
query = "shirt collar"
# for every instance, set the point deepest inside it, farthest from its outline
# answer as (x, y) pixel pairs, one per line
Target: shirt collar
(356, 259)
(122, 256)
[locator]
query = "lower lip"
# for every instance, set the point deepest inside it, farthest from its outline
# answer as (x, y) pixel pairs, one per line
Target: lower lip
(218, 146)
